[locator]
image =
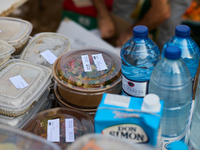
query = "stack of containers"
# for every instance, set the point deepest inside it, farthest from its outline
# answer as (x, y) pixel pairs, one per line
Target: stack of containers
(15, 32)
(23, 91)
(83, 75)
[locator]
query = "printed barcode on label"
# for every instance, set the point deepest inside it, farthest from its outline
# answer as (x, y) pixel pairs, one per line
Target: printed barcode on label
(69, 130)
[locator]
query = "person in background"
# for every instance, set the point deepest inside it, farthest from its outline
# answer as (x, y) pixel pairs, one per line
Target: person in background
(162, 15)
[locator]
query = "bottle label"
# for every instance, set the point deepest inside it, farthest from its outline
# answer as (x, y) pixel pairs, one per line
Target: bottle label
(134, 88)
(166, 141)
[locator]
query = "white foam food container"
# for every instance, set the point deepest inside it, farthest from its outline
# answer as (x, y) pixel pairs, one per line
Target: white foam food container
(5, 51)
(53, 43)
(15, 139)
(19, 121)
(31, 82)
(15, 32)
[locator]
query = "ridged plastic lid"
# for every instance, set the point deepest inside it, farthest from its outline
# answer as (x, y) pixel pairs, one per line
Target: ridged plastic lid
(70, 69)
(172, 52)
(140, 31)
(15, 139)
(56, 43)
(178, 145)
(15, 101)
(82, 124)
(13, 30)
(182, 30)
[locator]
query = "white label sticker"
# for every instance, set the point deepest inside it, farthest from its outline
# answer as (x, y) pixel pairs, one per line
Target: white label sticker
(99, 62)
(49, 56)
(69, 130)
(53, 130)
(117, 100)
(86, 63)
(18, 82)
(137, 89)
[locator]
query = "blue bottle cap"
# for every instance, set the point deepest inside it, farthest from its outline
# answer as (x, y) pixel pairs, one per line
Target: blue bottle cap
(178, 145)
(140, 31)
(172, 52)
(182, 30)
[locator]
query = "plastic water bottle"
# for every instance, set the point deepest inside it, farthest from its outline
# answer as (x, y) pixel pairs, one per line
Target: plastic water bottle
(171, 81)
(139, 55)
(193, 133)
(190, 50)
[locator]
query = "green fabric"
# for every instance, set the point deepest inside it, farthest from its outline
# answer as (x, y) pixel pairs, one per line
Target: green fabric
(85, 21)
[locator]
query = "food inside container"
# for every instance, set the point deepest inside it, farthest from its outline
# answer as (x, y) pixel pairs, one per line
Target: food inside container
(15, 139)
(83, 75)
(70, 125)
(15, 32)
(22, 84)
(5, 51)
(103, 142)
(19, 121)
(46, 47)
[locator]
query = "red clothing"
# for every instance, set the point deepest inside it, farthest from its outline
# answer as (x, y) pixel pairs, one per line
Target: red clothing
(88, 11)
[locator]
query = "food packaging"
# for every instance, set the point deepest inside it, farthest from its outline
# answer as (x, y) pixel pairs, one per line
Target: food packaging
(15, 139)
(5, 52)
(83, 75)
(22, 84)
(45, 47)
(15, 32)
(60, 125)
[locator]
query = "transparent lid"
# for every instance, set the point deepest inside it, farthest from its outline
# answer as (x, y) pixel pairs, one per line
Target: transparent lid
(19, 121)
(102, 142)
(42, 43)
(81, 124)
(13, 30)
(22, 83)
(14, 139)
(87, 69)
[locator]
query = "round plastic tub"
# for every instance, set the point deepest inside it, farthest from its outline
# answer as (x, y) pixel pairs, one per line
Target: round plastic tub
(102, 142)
(81, 86)
(63, 103)
(15, 139)
(15, 32)
(82, 124)
(56, 43)
(5, 51)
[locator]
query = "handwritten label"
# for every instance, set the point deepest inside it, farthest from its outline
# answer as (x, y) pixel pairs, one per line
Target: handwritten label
(18, 82)
(99, 62)
(69, 130)
(86, 63)
(53, 130)
(49, 56)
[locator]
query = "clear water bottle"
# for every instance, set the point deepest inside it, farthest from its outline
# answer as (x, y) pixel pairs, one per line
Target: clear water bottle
(193, 133)
(171, 81)
(139, 56)
(190, 50)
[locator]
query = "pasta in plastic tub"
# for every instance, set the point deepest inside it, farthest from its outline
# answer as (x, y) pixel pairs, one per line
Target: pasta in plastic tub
(83, 75)
(5, 52)
(45, 47)
(15, 32)
(15, 139)
(22, 84)
(60, 125)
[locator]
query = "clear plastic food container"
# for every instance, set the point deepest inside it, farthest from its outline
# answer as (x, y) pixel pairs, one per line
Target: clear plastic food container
(15, 32)
(5, 51)
(70, 123)
(83, 75)
(45, 47)
(22, 84)
(15, 139)
(102, 142)
(20, 121)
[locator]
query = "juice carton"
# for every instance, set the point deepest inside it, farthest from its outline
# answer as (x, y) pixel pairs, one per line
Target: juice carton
(135, 119)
